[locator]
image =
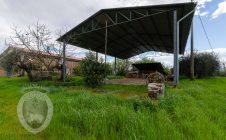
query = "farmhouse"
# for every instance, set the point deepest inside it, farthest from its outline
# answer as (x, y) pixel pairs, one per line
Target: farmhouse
(2, 72)
(71, 62)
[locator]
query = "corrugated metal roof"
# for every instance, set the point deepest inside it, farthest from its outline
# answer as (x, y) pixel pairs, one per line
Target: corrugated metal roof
(132, 30)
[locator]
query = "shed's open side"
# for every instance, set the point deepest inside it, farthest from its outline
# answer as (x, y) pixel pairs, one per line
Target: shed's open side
(132, 30)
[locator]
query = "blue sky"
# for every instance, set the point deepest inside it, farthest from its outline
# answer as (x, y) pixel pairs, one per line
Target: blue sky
(216, 28)
(57, 14)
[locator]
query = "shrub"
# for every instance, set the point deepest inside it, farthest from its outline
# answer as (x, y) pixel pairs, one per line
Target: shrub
(108, 69)
(222, 73)
(77, 70)
(121, 71)
(205, 64)
(145, 60)
(121, 67)
(93, 71)
(166, 70)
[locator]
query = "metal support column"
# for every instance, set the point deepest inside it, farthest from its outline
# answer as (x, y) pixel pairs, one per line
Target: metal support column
(176, 48)
(97, 56)
(192, 53)
(64, 65)
(115, 66)
(176, 43)
(106, 41)
(127, 65)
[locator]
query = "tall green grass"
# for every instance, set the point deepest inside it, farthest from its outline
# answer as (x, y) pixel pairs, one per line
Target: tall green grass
(195, 110)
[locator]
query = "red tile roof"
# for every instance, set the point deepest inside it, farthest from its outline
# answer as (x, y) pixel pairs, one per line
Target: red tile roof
(68, 58)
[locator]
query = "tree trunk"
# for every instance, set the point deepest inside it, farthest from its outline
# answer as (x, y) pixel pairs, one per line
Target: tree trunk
(30, 76)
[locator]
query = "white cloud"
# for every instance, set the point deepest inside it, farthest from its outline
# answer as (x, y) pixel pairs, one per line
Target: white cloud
(201, 6)
(204, 13)
(164, 58)
(221, 52)
(203, 2)
(220, 10)
(60, 13)
(167, 60)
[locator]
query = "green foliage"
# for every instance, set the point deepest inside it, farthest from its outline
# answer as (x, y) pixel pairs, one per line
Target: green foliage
(121, 67)
(93, 71)
(222, 73)
(108, 69)
(166, 70)
(77, 70)
(205, 64)
(8, 61)
(145, 60)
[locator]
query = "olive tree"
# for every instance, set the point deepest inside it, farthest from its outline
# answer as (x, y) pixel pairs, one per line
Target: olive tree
(40, 49)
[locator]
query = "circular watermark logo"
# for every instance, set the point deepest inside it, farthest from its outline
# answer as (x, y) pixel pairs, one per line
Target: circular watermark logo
(35, 111)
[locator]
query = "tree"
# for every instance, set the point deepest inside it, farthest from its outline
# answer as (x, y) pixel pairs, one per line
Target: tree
(93, 71)
(145, 60)
(121, 67)
(37, 41)
(14, 57)
(205, 64)
(7, 61)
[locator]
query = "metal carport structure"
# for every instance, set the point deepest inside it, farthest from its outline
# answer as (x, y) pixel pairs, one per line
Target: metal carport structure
(129, 31)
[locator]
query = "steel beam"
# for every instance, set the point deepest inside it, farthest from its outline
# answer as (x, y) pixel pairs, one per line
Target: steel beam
(116, 17)
(97, 56)
(192, 53)
(176, 48)
(124, 16)
(176, 23)
(92, 24)
(106, 40)
(109, 17)
(126, 20)
(127, 65)
(143, 15)
(64, 64)
(115, 72)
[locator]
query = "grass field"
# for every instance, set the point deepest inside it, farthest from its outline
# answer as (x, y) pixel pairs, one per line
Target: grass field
(195, 110)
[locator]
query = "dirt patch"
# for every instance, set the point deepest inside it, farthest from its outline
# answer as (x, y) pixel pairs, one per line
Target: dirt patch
(127, 81)
(127, 95)
(104, 91)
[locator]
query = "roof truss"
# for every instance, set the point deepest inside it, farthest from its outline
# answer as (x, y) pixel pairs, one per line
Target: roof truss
(132, 30)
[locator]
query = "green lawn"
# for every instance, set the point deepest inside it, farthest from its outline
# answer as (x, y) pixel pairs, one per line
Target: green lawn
(195, 110)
